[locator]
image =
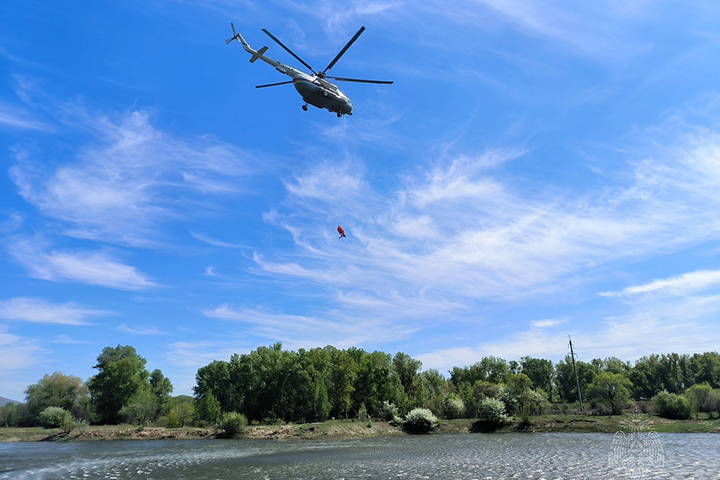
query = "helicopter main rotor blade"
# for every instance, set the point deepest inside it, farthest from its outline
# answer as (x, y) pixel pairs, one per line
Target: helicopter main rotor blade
(288, 50)
(273, 84)
(342, 79)
(342, 52)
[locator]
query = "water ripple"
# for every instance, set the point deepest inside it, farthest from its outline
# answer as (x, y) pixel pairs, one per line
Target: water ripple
(462, 457)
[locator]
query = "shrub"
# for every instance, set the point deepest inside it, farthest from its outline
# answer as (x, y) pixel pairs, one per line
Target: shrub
(670, 405)
(420, 420)
(492, 411)
(699, 397)
(55, 417)
(454, 407)
(362, 413)
(396, 421)
(388, 411)
(233, 423)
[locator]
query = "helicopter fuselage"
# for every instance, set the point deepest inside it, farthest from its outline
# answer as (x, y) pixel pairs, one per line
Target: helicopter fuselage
(322, 94)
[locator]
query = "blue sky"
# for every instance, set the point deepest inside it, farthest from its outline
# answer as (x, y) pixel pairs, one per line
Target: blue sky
(536, 171)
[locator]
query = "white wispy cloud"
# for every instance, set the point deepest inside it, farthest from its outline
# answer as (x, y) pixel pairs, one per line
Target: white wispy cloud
(67, 340)
(36, 310)
(216, 243)
(547, 323)
(18, 118)
(139, 331)
(90, 267)
(131, 180)
(687, 282)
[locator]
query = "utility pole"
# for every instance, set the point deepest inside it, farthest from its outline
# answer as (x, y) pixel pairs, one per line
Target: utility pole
(577, 382)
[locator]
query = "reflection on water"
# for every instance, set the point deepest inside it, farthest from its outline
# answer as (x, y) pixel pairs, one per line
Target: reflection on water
(472, 456)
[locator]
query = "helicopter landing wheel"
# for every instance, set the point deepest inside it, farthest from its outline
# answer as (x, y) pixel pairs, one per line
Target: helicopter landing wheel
(304, 107)
(339, 115)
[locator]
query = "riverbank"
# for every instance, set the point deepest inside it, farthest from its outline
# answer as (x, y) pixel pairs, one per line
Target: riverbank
(345, 429)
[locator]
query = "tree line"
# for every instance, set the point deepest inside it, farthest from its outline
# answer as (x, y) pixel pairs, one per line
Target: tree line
(271, 385)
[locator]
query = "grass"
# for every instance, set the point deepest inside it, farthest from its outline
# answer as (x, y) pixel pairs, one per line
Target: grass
(615, 423)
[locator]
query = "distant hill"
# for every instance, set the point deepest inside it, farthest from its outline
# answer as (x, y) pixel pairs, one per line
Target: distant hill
(4, 401)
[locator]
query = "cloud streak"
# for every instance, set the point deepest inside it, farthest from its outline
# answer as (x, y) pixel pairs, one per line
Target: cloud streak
(685, 283)
(18, 119)
(90, 267)
(35, 310)
(139, 331)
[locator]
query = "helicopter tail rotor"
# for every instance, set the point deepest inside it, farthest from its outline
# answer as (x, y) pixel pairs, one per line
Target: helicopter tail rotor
(234, 37)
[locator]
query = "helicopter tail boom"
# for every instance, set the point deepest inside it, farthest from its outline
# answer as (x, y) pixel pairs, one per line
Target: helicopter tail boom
(246, 46)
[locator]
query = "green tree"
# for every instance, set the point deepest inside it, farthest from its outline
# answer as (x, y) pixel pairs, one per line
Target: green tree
(491, 369)
(122, 376)
(57, 390)
(428, 391)
(541, 372)
(535, 401)
(483, 389)
(706, 367)
(9, 415)
(611, 390)
(182, 411)
(208, 408)
(374, 382)
(161, 387)
(407, 369)
(714, 401)
(220, 378)
(645, 377)
(517, 394)
(565, 378)
(141, 409)
(699, 396)
(612, 365)
(17, 415)
(341, 378)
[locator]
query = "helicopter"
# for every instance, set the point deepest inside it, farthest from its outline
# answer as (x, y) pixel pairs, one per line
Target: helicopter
(315, 89)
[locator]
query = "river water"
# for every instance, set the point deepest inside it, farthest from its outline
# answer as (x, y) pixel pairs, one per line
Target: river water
(549, 456)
